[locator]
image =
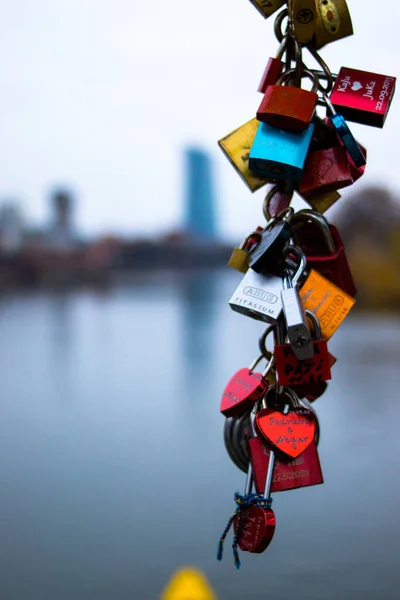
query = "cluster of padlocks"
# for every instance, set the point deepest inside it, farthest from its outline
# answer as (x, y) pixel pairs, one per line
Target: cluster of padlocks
(296, 276)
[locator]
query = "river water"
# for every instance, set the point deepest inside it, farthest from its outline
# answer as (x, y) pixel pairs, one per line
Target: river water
(112, 464)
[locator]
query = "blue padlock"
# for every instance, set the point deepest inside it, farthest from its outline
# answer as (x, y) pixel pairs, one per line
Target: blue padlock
(278, 153)
(345, 135)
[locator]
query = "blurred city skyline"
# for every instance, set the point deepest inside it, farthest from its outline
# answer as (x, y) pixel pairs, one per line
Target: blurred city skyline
(102, 97)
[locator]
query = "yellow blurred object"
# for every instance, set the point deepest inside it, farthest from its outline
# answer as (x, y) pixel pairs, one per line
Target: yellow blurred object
(236, 147)
(329, 303)
(188, 584)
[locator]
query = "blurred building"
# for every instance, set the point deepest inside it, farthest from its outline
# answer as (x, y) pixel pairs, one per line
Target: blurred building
(11, 228)
(61, 233)
(199, 195)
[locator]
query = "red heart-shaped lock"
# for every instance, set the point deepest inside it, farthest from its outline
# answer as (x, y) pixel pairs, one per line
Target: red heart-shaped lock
(257, 527)
(289, 434)
(243, 389)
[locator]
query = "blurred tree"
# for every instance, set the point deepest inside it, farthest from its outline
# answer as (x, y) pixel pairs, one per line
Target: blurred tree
(369, 224)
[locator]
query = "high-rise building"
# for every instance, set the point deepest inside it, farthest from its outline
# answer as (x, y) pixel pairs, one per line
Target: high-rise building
(200, 218)
(11, 228)
(61, 231)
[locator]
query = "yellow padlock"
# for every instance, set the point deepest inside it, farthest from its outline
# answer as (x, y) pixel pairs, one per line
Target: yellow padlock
(322, 202)
(266, 8)
(240, 256)
(332, 22)
(236, 147)
(329, 303)
(302, 15)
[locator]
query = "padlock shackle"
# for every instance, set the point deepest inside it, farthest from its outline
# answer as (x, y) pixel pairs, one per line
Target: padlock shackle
(300, 268)
(315, 322)
(304, 73)
(319, 220)
(285, 187)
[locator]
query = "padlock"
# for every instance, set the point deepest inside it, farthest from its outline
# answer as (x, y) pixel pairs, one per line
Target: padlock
(323, 248)
(332, 22)
(274, 68)
(289, 432)
(255, 525)
(298, 330)
(277, 199)
(303, 471)
(244, 389)
(240, 257)
(363, 97)
(288, 107)
(330, 304)
(236, 147)
(313, 391)
(345, 135)
(266, 257)
(278, 154)
(259, 296)
(325, 171)
(321, 202)
(291, 371)
(266, 8)
(302, 17)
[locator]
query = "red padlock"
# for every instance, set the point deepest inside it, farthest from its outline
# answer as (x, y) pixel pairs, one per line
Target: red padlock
(363, 97)
(303, 471)
(243, 390)
(323, 248)
(274, 68)
(313, 391)
(288, 107)
(324, 171)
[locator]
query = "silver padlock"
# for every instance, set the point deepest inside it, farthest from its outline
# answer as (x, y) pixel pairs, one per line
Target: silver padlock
(298, 330)
(259, 296)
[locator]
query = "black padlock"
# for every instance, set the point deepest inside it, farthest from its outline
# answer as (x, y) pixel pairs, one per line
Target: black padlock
(267, 257)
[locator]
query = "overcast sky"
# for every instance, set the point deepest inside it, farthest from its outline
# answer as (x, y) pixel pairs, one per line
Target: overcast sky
(102, 95)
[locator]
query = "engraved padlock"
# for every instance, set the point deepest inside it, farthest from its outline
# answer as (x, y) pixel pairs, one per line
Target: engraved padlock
(289, 107)
(236, 147)
(363, 97)
(298, 330)
(327, 301)
(345, 135)
(244, 388)
(325, 171)
(278, 154)
(240, 256)
(259, 296)
(324, 249)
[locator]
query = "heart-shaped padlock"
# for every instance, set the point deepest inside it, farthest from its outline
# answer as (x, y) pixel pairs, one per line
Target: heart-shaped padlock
(244, 389)
(289, 434)
(256, 529)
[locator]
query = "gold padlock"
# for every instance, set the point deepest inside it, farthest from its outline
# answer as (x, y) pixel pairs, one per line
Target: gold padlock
(302, 15)
(240, 256)
(332, 22)
(267, 7)
(328, 302)
(236, 147)
(322, 202)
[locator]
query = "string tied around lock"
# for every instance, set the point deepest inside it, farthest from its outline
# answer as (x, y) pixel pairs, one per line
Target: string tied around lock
(242, 502)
